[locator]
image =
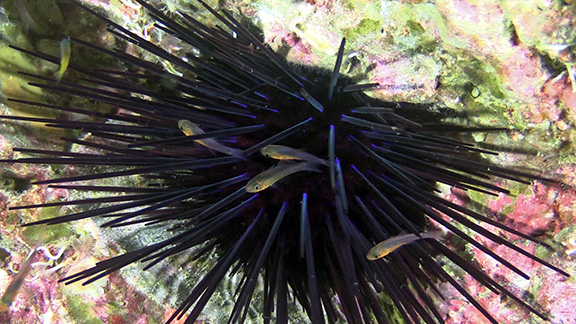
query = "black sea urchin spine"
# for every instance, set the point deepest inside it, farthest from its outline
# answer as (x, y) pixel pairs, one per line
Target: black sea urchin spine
(308, 236)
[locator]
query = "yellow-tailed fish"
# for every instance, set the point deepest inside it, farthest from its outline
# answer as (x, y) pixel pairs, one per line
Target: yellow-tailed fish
(65, 49)
(281, 152)
(388, 246)
(267, 178)
(189, 128)
(17, 281)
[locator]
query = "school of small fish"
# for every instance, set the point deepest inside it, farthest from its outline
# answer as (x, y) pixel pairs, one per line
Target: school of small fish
(266, 178)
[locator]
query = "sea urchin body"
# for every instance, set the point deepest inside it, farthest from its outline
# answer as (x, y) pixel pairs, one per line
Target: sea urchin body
(304, 233)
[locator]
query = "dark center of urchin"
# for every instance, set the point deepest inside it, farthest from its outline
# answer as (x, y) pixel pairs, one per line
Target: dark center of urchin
(314, 139)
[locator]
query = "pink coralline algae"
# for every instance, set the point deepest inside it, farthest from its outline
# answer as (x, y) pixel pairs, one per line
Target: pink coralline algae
(558, 92)
(546, 210)
(481, 24)
(531, 215)
(39, 299)
(544, 284)
(522, 74)
(461, 312)
(559, 294)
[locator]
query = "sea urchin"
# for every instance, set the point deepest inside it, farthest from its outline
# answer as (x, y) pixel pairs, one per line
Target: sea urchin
(358, 171)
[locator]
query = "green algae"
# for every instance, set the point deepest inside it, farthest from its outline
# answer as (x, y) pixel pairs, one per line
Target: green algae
(566, 234)
(365, 27)
(57, 234)
(404, 23)
(81, 310)
(52, 21)
(44, 234)
(544, 252)
(468, 73)
(389, 308)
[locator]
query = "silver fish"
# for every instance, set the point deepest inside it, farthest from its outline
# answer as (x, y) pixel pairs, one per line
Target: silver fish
(189, 128)
(388, 246)
(281, 152)
(267, 178)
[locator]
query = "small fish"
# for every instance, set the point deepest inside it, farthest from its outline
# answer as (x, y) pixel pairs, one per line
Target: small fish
(189, 128)
(281, 152)
(267, 178)
(27, 20)
(65, 49)
(388, 246)
(3, 18)
(17, 281)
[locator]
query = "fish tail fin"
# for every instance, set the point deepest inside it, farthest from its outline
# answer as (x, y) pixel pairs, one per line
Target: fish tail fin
(436, 235)
(315, 167)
